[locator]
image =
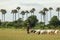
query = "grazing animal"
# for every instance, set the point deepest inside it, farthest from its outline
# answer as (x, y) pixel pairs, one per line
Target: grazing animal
(43, 32)
(50, 31)
(56, 31)
(35, 31)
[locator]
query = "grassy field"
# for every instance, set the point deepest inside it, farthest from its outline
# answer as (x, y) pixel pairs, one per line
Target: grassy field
(18, 34)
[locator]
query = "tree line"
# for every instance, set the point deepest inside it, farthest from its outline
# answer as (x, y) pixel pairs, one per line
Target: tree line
(32, 18)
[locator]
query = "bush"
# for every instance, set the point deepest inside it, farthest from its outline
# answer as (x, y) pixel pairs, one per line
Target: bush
(54, 21)
(32, 20)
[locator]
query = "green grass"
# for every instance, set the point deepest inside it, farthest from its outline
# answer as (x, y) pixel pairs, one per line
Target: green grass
(19, 34)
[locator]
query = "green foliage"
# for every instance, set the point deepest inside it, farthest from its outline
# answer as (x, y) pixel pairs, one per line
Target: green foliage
(23, 12)
(14, 11)
(0, 22)
(32, 20)
(19, 23)
(32, 10)
(3, 24)
(58, 9)
(45, 9)
(42, 25)
(39, 25)
(18, 8)
(9, 24)
(54, 21)
(19, 20)
(27, 11)
(3, 11)
(50, 8)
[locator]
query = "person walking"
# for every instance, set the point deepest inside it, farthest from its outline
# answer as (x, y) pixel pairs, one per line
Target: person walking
(28, 27)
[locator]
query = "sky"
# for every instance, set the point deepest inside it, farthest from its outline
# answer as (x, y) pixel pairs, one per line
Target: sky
(27, 5)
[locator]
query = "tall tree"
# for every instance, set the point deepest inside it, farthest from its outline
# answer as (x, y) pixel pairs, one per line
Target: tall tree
(32, 20)
(23, 13)
(27, 12)
(45, 10)
(50, 8)
(54, 22)
(18, 8)
(14, 12)
(3, 11)
(43, 13)
(58, 10)
(40, 12)
(32, 11)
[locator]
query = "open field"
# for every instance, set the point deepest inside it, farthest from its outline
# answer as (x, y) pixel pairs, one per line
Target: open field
(18, 34)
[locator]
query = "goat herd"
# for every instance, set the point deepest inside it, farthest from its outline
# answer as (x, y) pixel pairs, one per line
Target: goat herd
(45, 31)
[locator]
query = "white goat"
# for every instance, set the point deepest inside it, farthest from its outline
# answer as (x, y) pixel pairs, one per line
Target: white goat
(56, 31)
(43, 32)
(50, 31)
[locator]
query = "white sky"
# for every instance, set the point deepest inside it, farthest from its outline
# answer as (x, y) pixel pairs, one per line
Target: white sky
(10, 4)
(27, 4)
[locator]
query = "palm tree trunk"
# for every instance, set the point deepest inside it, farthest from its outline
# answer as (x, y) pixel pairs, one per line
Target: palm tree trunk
(22, 17)
(41, 18)
(50, 14)
(4, 17)
(46, 17)
(15, 16)
(58, 14)
(18, 14)
(26, 16)
(33, 13)
(44, 20)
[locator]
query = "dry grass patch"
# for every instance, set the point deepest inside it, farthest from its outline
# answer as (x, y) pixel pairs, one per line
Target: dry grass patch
(16, 34)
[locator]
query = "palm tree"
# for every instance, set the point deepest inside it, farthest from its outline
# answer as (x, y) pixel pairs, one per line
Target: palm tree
(50, 8)
(18, 8)
(14, 12)
(58, 10)
(41, 14)
(23, 13)
(32, 11)
(45, 10)
(27, 12)
(3, 11)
